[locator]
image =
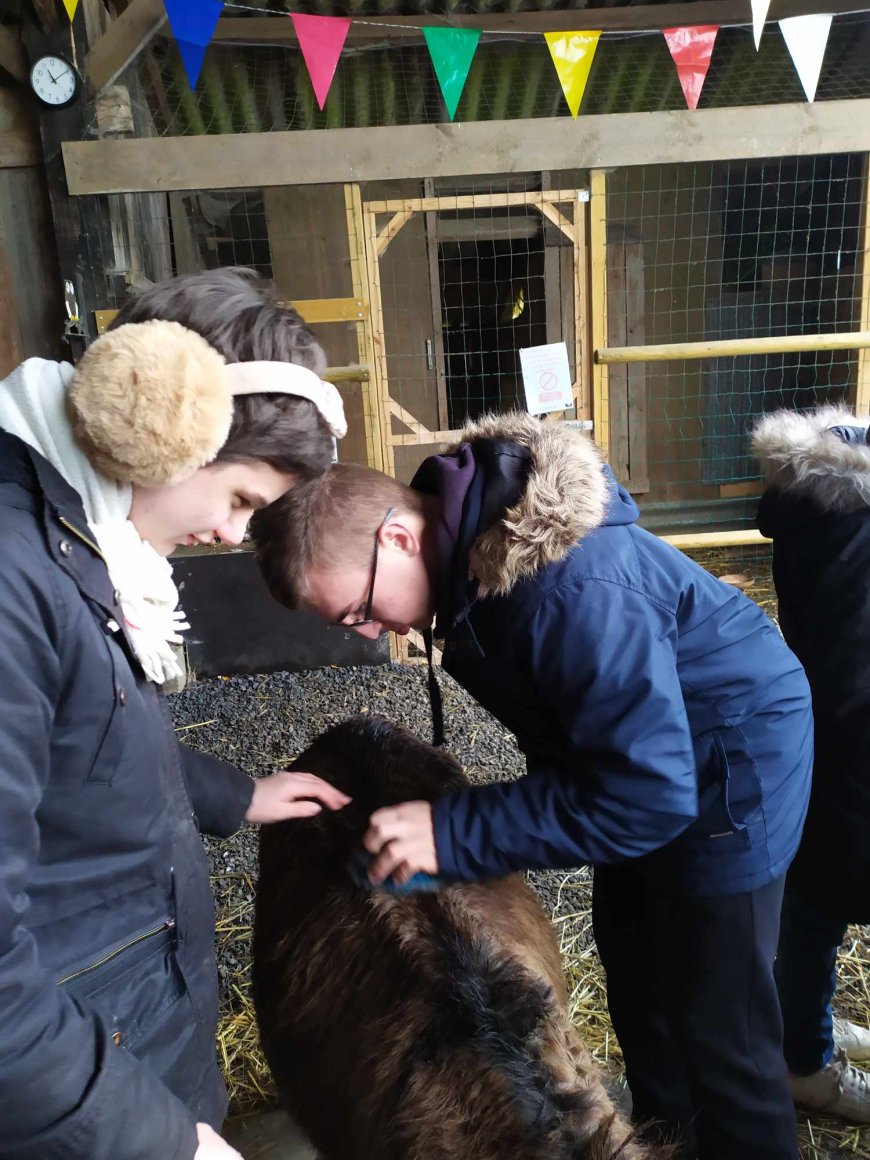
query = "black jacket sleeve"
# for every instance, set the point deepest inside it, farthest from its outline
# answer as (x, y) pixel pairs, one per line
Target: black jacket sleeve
(66, 1091)
(219, 792)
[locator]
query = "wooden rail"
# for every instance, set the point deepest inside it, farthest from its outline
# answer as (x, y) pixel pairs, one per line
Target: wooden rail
(724, 348)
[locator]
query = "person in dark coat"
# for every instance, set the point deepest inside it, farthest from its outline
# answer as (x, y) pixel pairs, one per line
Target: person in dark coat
(108, 986)
(816, 509)
(665, 724)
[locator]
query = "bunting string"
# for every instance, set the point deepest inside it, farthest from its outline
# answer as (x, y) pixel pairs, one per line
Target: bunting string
(452, 48)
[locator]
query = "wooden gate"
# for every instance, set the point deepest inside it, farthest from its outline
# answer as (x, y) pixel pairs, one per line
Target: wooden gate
(395, 266)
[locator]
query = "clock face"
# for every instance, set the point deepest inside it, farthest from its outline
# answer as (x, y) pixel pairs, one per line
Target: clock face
(54, 80)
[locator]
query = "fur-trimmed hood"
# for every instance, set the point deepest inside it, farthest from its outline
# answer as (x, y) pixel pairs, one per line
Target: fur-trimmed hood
(801, 455)
(566, 497)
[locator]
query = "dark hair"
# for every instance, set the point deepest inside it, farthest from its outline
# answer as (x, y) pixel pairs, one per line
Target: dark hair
(328, 523)
(234, 314)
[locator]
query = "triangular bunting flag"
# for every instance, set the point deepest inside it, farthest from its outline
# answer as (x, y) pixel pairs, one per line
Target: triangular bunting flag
(572, 54)
(70, 6)
(806, 38)
(691, 49)
(321, 39)
(192, 23)
(452, 51)
(759, 15)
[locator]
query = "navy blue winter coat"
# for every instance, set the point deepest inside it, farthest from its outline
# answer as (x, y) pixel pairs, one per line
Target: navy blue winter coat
(817, 511)
(108, 990)
(661, 715)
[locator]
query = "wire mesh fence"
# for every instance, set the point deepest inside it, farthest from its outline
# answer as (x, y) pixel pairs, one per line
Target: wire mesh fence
(728, 250)
(258, 83)
(455, 277)
(747, 568)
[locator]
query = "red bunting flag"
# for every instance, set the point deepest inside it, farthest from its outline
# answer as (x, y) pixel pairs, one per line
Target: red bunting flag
(321, 39)
(691, 49)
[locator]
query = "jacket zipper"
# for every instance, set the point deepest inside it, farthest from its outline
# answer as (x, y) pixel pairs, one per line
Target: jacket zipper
(167, 924)
(75, 531)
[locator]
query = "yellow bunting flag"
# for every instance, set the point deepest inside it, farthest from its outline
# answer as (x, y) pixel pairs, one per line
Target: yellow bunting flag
(572, 54)
(70, 6)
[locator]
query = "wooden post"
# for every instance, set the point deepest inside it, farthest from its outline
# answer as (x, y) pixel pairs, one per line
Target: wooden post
(862, 381)
(431, 226)
(82, 224)
(376, 418)
(731, 347)
(598, 305)
(582, 345)
(378, 391)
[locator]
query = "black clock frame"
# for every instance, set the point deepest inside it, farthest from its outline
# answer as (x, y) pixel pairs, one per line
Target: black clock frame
(78, 81)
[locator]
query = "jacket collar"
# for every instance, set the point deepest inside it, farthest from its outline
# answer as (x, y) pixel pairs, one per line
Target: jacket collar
(564, 496)
(63, 518)
(802, 456)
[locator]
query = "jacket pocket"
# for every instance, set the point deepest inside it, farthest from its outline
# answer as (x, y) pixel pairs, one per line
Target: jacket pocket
(728, 794)
(131, 984)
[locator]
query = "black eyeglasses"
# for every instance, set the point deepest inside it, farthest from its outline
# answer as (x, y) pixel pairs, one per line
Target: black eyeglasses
(367, 614)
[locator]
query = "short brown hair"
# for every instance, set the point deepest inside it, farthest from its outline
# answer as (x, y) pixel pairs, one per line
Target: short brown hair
(235, 314)
(327, 523)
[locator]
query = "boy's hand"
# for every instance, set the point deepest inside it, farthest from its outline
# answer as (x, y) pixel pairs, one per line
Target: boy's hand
(288, 795)
(212, 1146)
(402, 838)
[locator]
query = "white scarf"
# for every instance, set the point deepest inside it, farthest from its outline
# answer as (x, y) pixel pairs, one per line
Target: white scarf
(33, 407)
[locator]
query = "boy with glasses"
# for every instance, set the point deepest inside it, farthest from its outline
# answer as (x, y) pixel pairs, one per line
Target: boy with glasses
(666, 728)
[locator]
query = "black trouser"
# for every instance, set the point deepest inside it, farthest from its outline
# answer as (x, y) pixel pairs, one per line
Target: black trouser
(694, 1005)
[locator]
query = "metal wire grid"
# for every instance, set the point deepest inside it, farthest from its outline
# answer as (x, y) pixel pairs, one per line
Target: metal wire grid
(733, 250)
(724, 250)
(261, 87)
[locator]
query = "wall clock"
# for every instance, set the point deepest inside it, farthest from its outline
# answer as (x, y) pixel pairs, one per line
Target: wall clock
(55, 81)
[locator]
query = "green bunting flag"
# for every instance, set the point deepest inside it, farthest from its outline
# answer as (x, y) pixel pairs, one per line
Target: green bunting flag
(452, 51)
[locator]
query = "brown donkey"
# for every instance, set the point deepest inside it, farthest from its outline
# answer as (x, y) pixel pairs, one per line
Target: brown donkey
(429, 1026)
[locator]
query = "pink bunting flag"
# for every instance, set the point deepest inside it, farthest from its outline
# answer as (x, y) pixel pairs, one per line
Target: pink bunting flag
(321, 39)
(691, 49)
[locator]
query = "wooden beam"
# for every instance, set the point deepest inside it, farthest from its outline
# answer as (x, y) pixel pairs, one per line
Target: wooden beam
(688, 540)
(598, 306)
(18, 149)
(46, 12)
(122, 42)
(311, 157)
(313, 310)
(20, 143)
(453, 201)
(634, 18)
(728, 347)
(13, 58)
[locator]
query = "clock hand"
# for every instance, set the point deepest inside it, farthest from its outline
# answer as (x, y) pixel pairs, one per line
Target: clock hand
(54, 79)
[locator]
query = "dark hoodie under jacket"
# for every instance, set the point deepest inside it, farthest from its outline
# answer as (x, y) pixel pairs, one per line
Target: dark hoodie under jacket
(662, 717)
(817, 511)
(108, 987)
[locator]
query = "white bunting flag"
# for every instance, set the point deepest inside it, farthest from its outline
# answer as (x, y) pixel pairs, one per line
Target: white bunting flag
(806, 38)
(759, 15)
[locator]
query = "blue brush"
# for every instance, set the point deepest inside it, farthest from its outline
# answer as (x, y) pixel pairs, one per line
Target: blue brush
(358, 867)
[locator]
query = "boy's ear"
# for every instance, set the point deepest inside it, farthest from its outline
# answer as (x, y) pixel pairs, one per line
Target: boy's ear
(400, 537)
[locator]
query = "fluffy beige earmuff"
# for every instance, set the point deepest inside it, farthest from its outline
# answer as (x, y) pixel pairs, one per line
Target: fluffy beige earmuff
(150, 403)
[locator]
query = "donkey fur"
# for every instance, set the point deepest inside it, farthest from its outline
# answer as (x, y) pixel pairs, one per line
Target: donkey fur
(415, 1027)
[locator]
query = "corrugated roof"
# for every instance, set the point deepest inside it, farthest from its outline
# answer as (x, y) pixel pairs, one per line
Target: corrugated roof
(266, 87)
